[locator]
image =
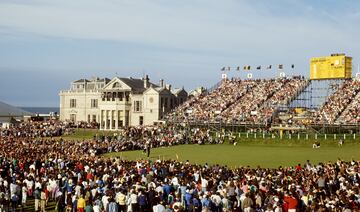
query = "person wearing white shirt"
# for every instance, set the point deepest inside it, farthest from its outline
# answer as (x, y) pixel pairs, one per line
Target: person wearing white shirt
(159, 208)
(133, 201)
(175, 181)
(23, 195)
(105, 200)
(196, 176)
(96, 208)
(204, 184)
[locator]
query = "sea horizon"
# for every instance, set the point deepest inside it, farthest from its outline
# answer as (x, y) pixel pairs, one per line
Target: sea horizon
(41, 110)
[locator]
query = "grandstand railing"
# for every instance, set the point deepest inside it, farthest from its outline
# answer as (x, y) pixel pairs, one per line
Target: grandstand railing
(243, 126)
(294, 136)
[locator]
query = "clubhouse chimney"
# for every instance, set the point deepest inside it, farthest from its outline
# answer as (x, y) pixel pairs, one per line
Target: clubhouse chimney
(146, 81)
(161, 84)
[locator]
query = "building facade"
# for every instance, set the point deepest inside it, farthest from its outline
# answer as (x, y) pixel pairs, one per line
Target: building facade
(118, 102)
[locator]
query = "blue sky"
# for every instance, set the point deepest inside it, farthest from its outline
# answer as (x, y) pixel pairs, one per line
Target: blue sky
(44, 45)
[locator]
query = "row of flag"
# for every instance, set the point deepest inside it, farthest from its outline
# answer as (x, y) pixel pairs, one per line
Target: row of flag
(269, 67)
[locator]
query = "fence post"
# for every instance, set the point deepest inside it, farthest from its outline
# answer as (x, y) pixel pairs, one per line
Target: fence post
(344, 136)
(354, 136)
(290, 136)
(255, 135)
(239, 134)
(325, 136)
(263, 135)
(334, 136)
(298, 136)
(315, 136)
(247, 135)
(307, 136)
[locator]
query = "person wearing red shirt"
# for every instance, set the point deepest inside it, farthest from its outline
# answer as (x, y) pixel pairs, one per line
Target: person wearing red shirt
(291, 202)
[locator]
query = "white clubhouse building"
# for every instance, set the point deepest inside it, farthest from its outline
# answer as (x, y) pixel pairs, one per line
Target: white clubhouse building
(118, 102)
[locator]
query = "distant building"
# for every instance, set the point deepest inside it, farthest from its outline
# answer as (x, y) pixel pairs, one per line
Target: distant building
(197, 92)
(118, 102)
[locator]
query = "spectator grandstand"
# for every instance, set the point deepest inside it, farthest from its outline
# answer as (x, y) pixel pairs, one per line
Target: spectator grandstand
(330, 111)
(236, 100)
(352, 113)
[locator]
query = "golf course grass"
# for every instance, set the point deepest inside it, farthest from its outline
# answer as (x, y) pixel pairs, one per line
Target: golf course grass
(271, 155)
(251, 150)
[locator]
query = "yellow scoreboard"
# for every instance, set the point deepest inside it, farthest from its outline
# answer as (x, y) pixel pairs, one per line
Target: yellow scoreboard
(336, 66)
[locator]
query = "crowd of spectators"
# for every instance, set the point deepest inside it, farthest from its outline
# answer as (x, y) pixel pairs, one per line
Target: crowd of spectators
(81, 181)
(206, 106)
(138, 138)
(32, 129)
(132, 138)
(288, 92)
(337, 102)
(84, 125)
(236, 100)
(241, 110)
(352, 113)
(255, 101)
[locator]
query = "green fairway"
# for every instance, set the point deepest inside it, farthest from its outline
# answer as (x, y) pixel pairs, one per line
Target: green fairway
(268, 155)
(252, 150)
